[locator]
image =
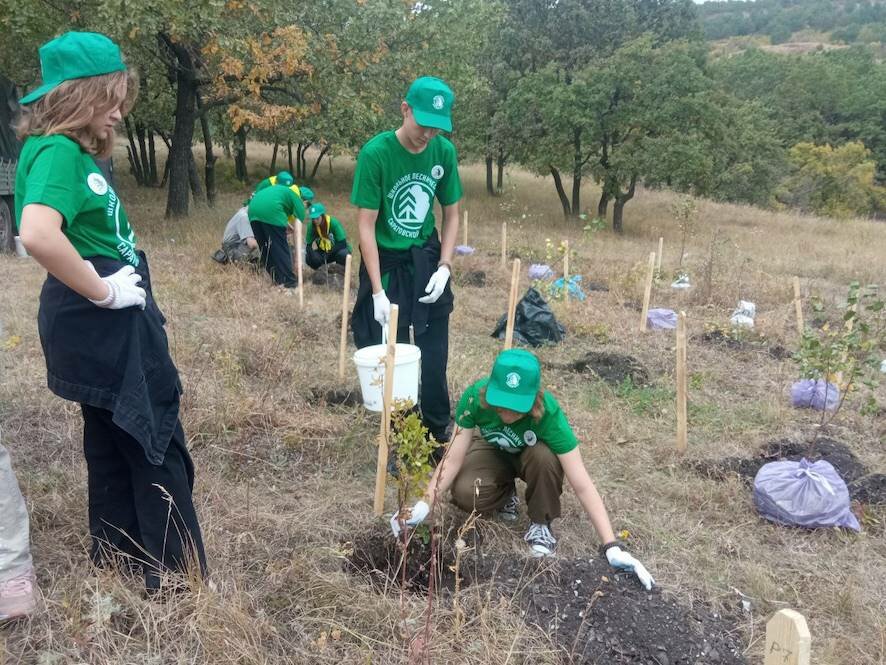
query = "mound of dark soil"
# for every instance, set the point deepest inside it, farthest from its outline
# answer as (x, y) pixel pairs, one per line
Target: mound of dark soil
(475, 278)
(862, 487)
(336, 397)
(331, 276)
(723, 338)
(592, 613)
(613, 368)
(591, 285)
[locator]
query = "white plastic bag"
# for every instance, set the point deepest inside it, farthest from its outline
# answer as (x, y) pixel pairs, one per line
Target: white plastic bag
(743, 316)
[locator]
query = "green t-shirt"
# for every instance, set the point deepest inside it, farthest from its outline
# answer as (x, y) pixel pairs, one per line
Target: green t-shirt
(275, 205)
(552, 429)
(56, 172)
(267, 182)
(402, 187)
(336, 230)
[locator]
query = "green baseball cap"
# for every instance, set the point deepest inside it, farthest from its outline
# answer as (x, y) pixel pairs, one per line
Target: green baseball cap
(284, 178)
(515, 380)
(307, 193)
(317, 210)
(431, 101)
(75, 55)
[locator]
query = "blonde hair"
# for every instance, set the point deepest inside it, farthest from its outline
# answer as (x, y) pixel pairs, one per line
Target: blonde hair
(537, 411)
(71, 106)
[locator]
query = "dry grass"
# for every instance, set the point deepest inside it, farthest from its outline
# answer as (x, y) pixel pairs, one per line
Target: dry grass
(284, 484)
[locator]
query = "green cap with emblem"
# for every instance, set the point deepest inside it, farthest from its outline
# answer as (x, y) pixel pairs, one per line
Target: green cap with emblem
(317, 210)
(515, 380)
(75, 55)
(431, 101)
(307, 194)
(284, 178)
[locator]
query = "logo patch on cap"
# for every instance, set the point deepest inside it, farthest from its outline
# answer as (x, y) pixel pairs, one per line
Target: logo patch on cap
(97, 184)
(437, 172)
(437, 102)
(513, 380)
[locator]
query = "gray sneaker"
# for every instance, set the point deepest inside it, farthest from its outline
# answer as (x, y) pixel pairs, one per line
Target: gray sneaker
(541, 540)
(17, 597)
(510, 512)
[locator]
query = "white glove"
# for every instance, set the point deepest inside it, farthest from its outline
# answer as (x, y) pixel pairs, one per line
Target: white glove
(123, 291)
(381, 307)
(620, 559)
(436, 284)
(419, 512)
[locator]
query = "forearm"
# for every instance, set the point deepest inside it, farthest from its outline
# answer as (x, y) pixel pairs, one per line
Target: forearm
(449, 467)
(369, 248)
(592, 502)
(450, 233)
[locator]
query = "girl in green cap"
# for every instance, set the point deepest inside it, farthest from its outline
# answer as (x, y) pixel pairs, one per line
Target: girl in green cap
(325, 240)
(510, 427)
(101, 331)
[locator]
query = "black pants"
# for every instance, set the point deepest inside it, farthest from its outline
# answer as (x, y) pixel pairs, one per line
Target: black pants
(315, 257)
(136, 508)
(276, 256)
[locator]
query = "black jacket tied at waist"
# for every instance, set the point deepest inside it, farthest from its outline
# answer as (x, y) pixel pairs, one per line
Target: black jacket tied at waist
(116, 360)
(409, 271)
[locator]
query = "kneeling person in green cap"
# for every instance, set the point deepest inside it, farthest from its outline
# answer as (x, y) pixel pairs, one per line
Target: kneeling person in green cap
(510, 427)
(325, 240)
(270, 212)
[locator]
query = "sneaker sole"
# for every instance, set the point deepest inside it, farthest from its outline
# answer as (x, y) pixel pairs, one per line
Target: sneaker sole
(540, 551)
(508, 517)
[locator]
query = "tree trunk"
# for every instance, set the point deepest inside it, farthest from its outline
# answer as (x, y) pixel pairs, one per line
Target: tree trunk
(240, 170)
(143, 150)
(152, 160)
(132, 155)
(500, 175)
(178, 198)
(490, 189)
(226, 149)
(274, 159)
(319, 159)
(603, 203)
(619, 206)
(576, 170)
(209, 166)
(289, 154)
(300, 165)
(194, 179)
(558, 183)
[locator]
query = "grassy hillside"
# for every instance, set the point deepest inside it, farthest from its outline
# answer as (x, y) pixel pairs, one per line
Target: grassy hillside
(284, 482)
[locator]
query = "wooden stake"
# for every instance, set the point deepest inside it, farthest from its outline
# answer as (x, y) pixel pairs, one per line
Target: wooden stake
(798, 305)
(658, 258)
(299, 266)
(566, 270)
(381, 469)
(465, 232)
(682, 425)
(788, 641)
(345, 301)
(647, 293)
(504, 244)
(512, 305)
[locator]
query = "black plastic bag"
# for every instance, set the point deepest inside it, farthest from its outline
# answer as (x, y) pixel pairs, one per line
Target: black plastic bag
(534, 322)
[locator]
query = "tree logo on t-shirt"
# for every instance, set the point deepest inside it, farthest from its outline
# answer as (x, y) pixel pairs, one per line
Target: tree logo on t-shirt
(530, 438)
(437, 172)
(97, 184)
(411, 201)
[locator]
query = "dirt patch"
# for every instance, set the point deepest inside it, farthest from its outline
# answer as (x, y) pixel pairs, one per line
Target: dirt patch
(336, 397)
(747, 342)
(331, 276)
(862, 487)
(592, 613)
(591, 285)
(613, 368)
(476, 278)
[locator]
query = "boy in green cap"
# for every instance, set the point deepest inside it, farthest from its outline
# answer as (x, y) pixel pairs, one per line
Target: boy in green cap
(510, 427)
(398, 176)
(325, 240)
(282, 178)
(270, 212)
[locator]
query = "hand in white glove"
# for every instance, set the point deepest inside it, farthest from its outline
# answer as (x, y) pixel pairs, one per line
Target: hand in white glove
(123, 289)
(419, 512)
(381, 307)
(620, 559)
(436, 284)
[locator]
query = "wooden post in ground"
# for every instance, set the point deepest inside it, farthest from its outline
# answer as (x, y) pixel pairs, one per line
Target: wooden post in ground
(682, 411)
(566, 270)
(647, 292)
(299, 265)
(658, 257)
(798, 305)
(512, 305)
(504, 244)
(465, 230)
(381, 469)
(345, 301)
(788, 641)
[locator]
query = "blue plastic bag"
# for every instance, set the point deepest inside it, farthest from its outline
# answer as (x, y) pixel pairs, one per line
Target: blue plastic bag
(575, 290)
(661, 319)
(815, 394)
(804, 493)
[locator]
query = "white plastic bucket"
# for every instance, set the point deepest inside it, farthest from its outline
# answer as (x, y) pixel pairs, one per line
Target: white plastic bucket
(371, 370)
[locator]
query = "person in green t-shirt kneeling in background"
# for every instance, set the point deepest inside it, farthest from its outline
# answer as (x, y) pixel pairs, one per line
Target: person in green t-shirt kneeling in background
(398, 176)
(509, 428)
(270, 212)
(325, 240)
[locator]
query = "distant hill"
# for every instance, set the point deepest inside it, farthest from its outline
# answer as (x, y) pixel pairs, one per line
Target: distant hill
(833, 21)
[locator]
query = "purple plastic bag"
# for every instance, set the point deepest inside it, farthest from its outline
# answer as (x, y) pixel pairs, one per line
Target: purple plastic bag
(815, 394)
(463, 250)
(540, 271)
(661, 319)
(804, 493)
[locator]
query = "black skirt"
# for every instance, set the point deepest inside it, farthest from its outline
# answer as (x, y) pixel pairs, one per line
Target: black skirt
(116, 360)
